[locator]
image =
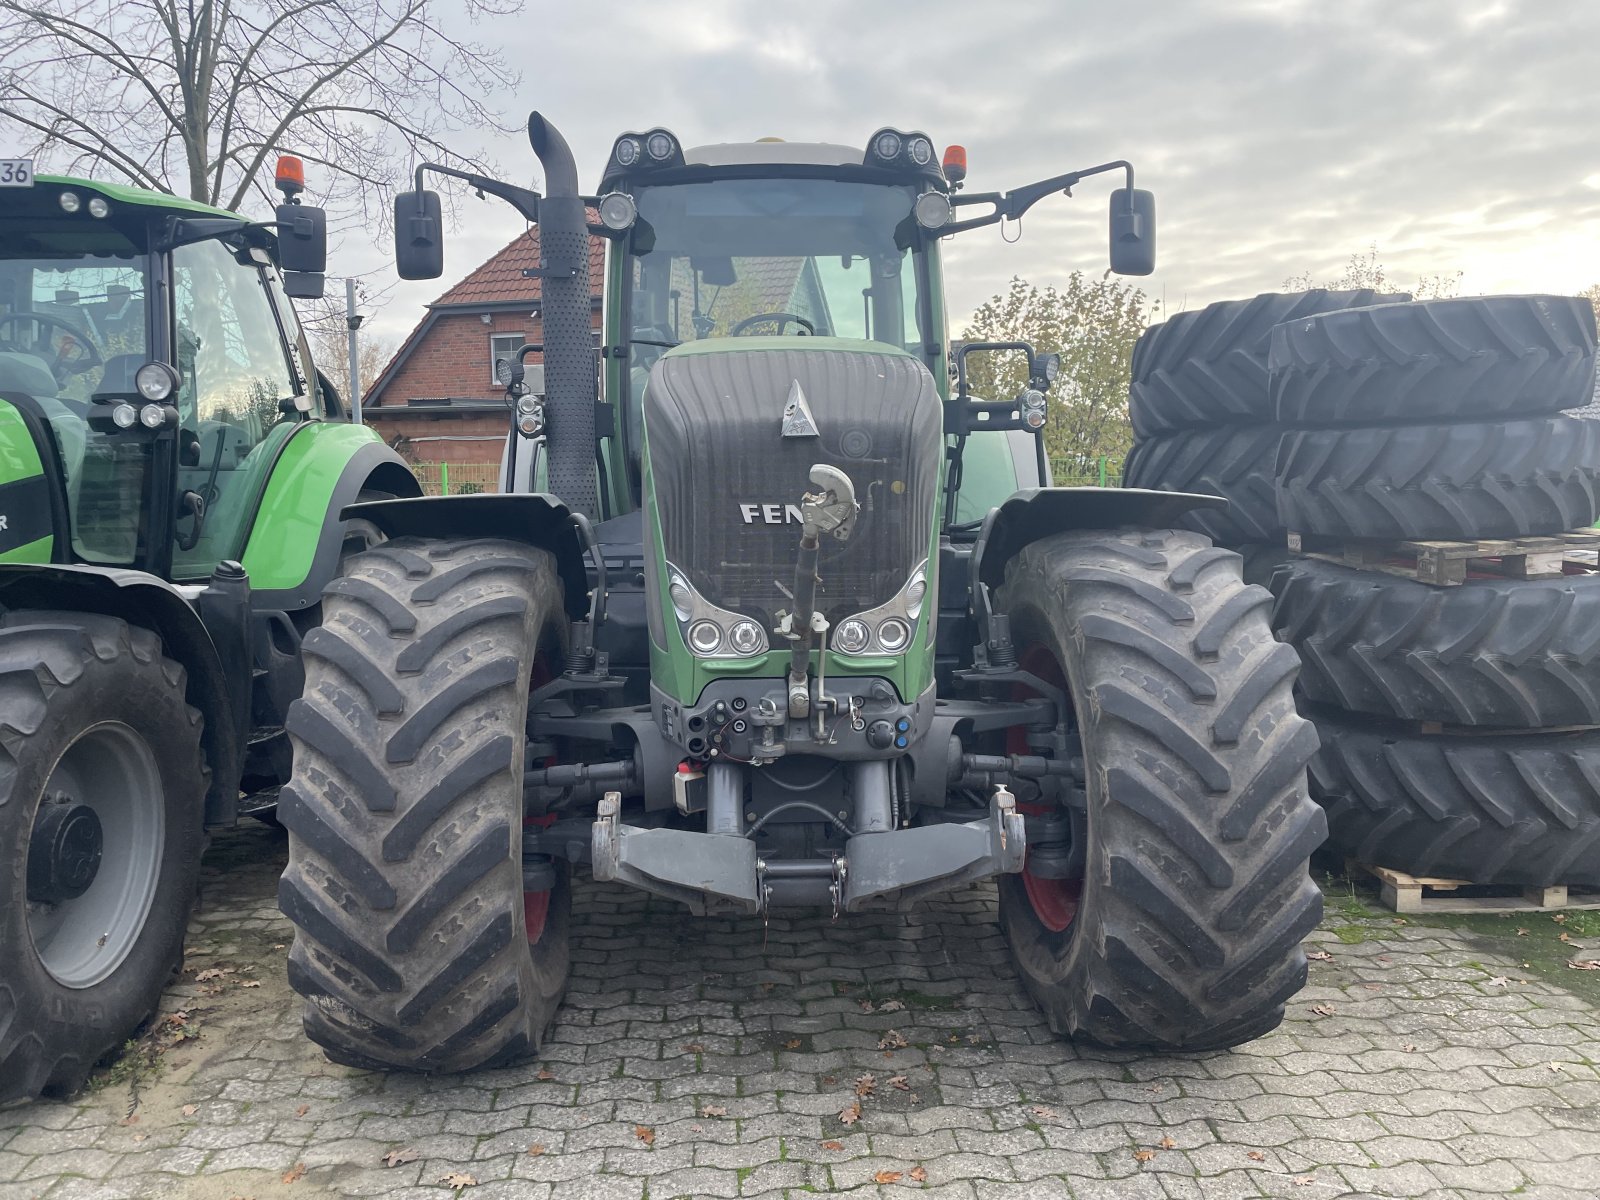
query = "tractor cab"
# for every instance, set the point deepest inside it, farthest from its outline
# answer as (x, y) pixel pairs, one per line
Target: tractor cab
(148, 345)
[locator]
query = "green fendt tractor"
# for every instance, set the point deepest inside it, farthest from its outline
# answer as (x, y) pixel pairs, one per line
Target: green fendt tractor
(766, 629)
(172, 468)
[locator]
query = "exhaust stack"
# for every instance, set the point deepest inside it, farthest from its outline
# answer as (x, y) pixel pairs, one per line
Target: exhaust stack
(564, 317)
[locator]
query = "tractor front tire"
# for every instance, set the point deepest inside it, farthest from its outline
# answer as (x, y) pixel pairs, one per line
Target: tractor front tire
(415, 945)
(102, 794)
(1183, 931)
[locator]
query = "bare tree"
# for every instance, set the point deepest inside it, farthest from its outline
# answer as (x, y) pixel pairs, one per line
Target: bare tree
(197, 97)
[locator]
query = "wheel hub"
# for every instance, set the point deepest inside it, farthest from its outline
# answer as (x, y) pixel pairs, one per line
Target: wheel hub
(64, 853)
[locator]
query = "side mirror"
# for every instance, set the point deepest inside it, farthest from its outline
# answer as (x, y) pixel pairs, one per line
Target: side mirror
(304, 285)
(1133, 231)
(418, 235)
(302, 239)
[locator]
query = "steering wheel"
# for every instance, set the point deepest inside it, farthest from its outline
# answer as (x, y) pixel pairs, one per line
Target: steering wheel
(66, 363)
(780, 318)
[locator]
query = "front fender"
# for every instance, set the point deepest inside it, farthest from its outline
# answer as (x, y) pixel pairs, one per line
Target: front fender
(152, 603)
(535, 518)
(1039, 512)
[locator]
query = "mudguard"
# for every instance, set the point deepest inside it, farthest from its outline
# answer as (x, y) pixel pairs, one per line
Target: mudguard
(1036, 513)
(153, 603)
(536, 518)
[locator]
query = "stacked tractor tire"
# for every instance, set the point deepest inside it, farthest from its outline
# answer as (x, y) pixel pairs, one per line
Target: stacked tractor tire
(1460, 725)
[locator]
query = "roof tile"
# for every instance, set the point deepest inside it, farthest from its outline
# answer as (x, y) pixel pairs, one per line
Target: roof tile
(500, 280)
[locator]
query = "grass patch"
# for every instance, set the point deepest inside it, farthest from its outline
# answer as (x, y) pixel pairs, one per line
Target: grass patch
(1351, 935)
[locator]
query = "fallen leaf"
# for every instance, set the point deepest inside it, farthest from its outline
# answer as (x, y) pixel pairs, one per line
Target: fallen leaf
(1373, 987)
(395, 1157)
(953, 1038)
(918, 1174)
(974, 1038)
(1400, 921)
(1043, 1113)
(892, 1006)
(1319, 956)
(645, 1134)
(1521, 932)
(830, 1144)
(1587, 964)
(1256, 1156)
(129, 1120)
(1303, 1180)
(302, 1110)
(1143, 1155)
(792, 1044)
(1167, 1143)
(1322, 1010)
(189, 1110)
(546, 1074)
(866, 1006)
(139, 1137)
(913, 1098)
(250, 983)
(279, 946)
(893, 1039)
(829, 1080)
(850, 1113)
(713, 1110)
(866, 1085)
(697, 1128)
(294, 1173)
(458, 1180)
(767, 987)
(900, 1083)
(209, 974)
(1556, 1066)
(694, 1047)
(887, 1177)
(1498, 981)
(536, 1149)
(1560, 918)
(1408, 1047)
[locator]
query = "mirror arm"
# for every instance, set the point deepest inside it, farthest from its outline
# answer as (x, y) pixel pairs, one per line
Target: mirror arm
(524, 200)
(1009, 206)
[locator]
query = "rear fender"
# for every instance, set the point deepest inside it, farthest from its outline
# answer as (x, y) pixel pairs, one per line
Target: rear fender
(150, 602)
(1040, 512)
(535, 518)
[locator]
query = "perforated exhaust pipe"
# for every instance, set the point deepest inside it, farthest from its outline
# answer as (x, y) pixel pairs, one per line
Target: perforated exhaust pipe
(569, 370)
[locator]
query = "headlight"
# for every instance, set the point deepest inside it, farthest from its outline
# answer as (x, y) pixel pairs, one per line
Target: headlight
(682, 597)
(70, 202)
(921, 150)
(124, 416)
(1033, 409)
(618, 211)
(852, 636)
(887, 144)
(745, 638)
(530, 421)
(152, 416)
(155, 381)
(98, 207)
(704, 637)
(915, 591)
(933, 210)
(627, 151)
(893, 635)
(659, 146)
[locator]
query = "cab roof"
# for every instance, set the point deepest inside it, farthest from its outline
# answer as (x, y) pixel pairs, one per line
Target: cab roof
(127, 194)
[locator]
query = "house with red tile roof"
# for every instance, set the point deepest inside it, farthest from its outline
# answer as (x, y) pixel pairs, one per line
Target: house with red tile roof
(438, 399)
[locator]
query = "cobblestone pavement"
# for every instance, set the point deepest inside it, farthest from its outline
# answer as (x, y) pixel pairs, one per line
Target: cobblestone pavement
(718, 1058)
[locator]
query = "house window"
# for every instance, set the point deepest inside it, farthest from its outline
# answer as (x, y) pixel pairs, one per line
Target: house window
(502, 346)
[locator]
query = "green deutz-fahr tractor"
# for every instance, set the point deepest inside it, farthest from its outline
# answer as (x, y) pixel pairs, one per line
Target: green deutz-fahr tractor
(770, 625)
(172, 468)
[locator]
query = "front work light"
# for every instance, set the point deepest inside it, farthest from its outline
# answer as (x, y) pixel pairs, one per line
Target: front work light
(933, 210)
(124, 416)
(618, 211)
(887, 144)
(151, 416)
(627, 151)
(98, 207)
(69, 202)
(155, 381)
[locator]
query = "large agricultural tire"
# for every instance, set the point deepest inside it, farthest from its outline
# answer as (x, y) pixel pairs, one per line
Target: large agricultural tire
(102, 795)
(1234, 463)
(1466, 480)
(1183, 931)
(1506, 653)
(1464, 359)
(1518, 809)
(1208, 367)
(415, 945)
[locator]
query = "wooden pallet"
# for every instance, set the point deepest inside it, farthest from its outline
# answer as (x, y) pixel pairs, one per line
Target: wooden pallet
(1404, 893)
(1449, 563)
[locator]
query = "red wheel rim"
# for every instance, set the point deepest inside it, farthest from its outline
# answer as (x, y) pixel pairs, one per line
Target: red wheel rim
(535, 908)
(1055, 901)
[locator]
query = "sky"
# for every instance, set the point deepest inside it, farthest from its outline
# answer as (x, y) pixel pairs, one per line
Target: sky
(1279, 136)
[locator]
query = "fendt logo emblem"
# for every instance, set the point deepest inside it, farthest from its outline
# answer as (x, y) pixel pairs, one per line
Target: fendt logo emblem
(771, 514)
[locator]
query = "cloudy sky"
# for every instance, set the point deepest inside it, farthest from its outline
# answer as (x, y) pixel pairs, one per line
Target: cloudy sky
(1280, 136)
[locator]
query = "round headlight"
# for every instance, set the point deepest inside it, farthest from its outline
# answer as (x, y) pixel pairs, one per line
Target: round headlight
(152, 416)
(659, 146)
(530, 424)
(528, 406)
(70, 202)
(893, 635)
(704, 637)
(124, 416)
(852, 636)
(887, 145)
(155, 381)
(618, 211)
(745, 638)
(98, 207)
(1033, 409)
(921, 151)
(627, 152)
(933, 210)
(682, 598)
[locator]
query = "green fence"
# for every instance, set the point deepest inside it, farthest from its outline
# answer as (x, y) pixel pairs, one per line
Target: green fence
(1105, 471)
(457, 479)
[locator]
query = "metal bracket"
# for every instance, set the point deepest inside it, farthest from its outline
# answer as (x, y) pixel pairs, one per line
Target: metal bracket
(706, 872)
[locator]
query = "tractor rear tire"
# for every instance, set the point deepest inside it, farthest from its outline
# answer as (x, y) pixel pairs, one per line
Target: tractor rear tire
(1465, 480)
(102, 796)
(1520, 809)
(1493, 653)
(415, 945)
(1209, 367)
(1184, 931)
(1464, 359)
(1230, 461)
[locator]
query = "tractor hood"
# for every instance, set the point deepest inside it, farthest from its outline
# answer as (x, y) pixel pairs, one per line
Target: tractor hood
(729, 455)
